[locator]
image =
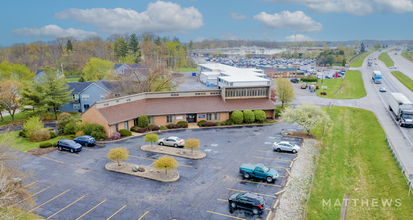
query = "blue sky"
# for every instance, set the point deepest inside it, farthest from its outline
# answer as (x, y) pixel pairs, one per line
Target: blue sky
(275, 20)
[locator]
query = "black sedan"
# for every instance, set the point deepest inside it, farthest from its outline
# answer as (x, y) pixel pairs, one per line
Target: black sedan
(66, 144)
(249, 201)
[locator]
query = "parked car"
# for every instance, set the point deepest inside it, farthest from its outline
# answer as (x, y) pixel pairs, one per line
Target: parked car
(382, 89)
(85, 140)
(328, 77)
(259, 171)
(171, 141)
(294, 80)
(285, 146)
(304, 86)
(249, 201)
(66, 144)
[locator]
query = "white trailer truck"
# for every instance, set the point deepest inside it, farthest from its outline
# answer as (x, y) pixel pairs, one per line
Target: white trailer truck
(401, 108)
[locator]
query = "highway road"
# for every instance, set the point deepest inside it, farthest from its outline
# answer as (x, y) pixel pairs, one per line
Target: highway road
(402, 64)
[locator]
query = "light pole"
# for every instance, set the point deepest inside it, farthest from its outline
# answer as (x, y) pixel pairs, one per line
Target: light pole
(62, 68)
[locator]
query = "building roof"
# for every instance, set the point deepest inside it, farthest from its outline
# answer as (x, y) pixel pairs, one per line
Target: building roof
(129, 65)
(287, 69)
(80, 86)
(270, 70)
(39, 71)
(181, 105)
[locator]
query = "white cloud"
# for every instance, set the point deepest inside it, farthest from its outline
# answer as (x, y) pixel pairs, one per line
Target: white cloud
(237, 16)
(299, 38)
(199, 39)
(53, 31)
(399, 6)
(229, 36)
(295, 21)
(158, 17)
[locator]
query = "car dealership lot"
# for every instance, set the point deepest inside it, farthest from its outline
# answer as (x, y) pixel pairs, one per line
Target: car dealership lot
(77, 186)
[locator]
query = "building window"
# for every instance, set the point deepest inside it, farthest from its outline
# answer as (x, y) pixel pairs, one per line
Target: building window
(126, 125)
(117, 95)
(170, 118)
(150, 120)
(127, 100)
(201, 93)
(135, 122)
(116, 128)
(174, 94)
(212, 117)
(86, 106)
(231, 84)
(106, 104)
(76, 106)
(75, 96)
(102, 97)
(85, 97)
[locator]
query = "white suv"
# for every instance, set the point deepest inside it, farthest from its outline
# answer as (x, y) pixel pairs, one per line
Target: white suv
(285, 146)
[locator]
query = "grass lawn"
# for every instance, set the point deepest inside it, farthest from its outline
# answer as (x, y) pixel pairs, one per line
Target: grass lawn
(403, 79)
(23, 144)
(21, 215)
(72, 79)
(386, 59)
(354, 154)
(359, 60)
(405, 55)
(184, 69)
(22, 116)
(332, 86)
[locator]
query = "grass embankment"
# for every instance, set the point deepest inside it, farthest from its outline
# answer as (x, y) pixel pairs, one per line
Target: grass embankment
(353, 87)
(72, 79)
(184, 69)
(19, 214)
(23, 116)
(354, 154)
(386, 59)
(406, 55)
(359, 60)
(23, 144)
(405, 80)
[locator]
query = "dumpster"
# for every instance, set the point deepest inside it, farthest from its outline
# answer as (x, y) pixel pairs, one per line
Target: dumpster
(193, 73)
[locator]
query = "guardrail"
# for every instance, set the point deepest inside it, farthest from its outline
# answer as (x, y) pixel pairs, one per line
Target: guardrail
(408, 177)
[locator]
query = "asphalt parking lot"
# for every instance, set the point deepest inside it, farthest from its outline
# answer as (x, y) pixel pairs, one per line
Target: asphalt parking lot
(77, 186)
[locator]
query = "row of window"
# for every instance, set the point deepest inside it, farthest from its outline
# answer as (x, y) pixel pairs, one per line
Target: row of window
(215, 116)
(86, 97)
(77, 106)
(200, 93)
(174, 94)
(250, 92)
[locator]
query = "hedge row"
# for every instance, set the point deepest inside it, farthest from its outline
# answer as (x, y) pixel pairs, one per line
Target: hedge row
(309, 79)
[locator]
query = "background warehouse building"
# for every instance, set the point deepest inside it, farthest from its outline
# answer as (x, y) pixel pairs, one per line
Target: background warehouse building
(163, 108)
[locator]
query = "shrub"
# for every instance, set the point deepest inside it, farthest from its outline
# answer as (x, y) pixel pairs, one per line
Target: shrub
(125, 132)
(249, 116)
(170, 126)
(143, 121)
(116, 135)
(277, 113)
(183, 123)
(21, 134)
(156, 128)
(259, 115)
(185, 126)
(40, 135)
(32, 125)
(52, 134)
(162, 128)
(63, 119)
(218, 123)
(200, 122)
(223, 123)
(150, 127)
(230, 121)
(309, 79)
(95, 130)
(178, 126)
(208, 124)
(45, 145)
(142, 130)
(238, 117)
(134, 128)
(80, 133)
(54, 144)
(72, 127)
(323, 93)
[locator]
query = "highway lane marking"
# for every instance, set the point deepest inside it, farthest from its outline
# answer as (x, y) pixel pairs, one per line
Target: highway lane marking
(276, 152)
(116, 212)
(251, 192)
(69, 153)
(67, 206)
(224, 215)
(49, 200)
(51, 159)
(227, 201)
(258, 182)
(155, 160)
(143, 215)
(271, 158)
(33, 195)
(30, 184)
(91, 209)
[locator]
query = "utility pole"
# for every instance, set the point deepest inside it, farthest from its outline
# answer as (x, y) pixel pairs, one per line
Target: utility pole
(62, 68)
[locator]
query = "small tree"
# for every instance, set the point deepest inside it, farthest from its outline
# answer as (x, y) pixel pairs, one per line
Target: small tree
(260, 115)
(166, 163)
(306, 115)
(284, 90)
(32, 125)
(192, 144)
(143, 121)
(69, 45)
(238, 117)
(9, 96)
(249, 116)
(151, 138)
(63, 119)
(118, 154)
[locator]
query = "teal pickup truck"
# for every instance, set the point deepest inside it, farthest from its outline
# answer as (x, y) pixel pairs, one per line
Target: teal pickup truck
(259, 171)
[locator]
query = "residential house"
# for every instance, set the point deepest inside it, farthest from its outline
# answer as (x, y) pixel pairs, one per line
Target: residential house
(129, 68)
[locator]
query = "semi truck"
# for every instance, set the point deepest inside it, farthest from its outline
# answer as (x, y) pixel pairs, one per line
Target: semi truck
(402, 109)
(376, 77)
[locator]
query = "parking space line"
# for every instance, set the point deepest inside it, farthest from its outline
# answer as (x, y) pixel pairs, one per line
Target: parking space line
(67, 206)
(143, 215)
(258, 183)
(51, 159)
(30, 184)
(155, 160)
(275, 152)
(68, 153)
(251, 192)
(152, 164)
(99, 145)
(49, 200)
(271, 158)
(227, 201)
(91, 209)
(84, 148)
(116, 212)
(33, 195)
(226, 215)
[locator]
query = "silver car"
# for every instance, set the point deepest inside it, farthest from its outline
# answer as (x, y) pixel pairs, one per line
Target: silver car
(171, 141)
(285, 146)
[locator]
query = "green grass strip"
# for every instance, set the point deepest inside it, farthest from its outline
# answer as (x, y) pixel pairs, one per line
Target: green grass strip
(405, 80)
(386, 59)
(359, 60)
(353, 86)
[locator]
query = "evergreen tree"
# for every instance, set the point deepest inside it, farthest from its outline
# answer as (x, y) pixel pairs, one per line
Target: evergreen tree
(33, 96)
(362, 48)
(133, 43)
(158, 41)
(344, 62)
(69, 45)
(120, 47)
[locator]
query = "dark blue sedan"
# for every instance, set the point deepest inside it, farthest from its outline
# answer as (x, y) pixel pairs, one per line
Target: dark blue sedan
(85, 140)
(66, 144)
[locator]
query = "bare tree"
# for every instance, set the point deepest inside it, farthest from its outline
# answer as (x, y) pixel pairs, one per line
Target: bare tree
(9, 96)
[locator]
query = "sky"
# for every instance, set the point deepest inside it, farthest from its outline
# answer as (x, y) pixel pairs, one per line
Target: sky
(273, 20)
